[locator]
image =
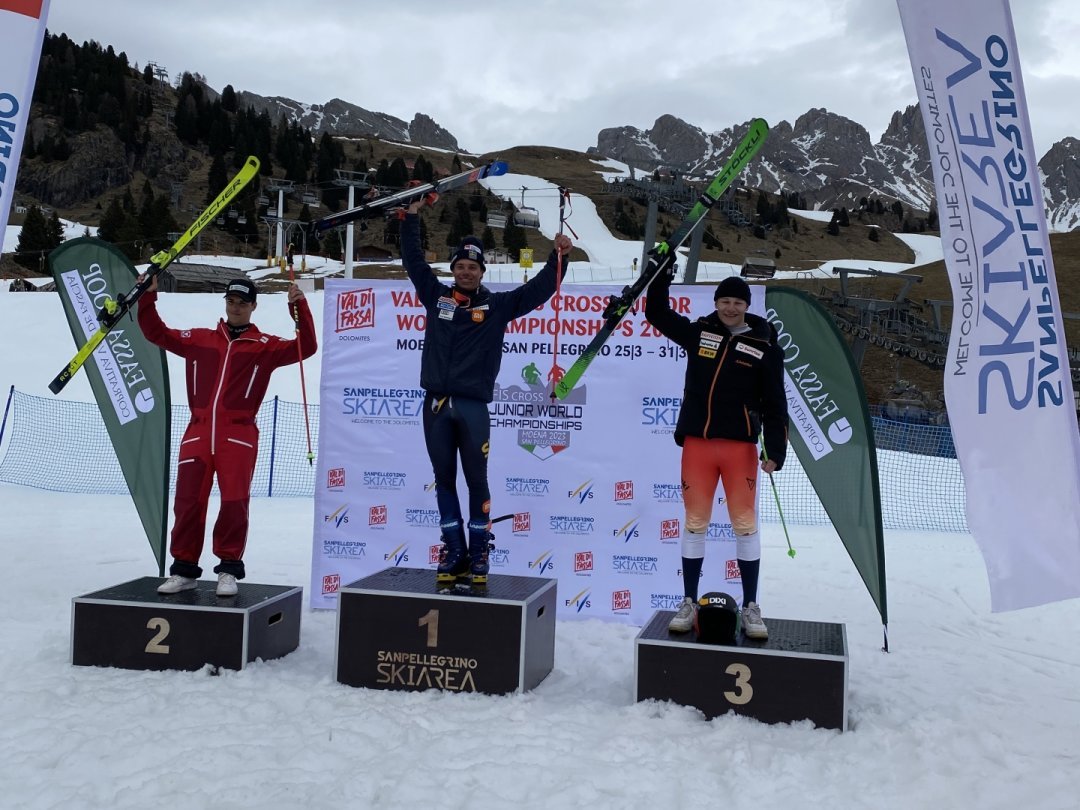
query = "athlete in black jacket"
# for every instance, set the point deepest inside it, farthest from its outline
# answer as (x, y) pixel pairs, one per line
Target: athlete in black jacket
(458, 366)
(734, 392)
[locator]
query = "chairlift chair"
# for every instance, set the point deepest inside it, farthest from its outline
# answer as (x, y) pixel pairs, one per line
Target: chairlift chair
(309, 198)
(263, 200)
(527, 218)
(241, 220)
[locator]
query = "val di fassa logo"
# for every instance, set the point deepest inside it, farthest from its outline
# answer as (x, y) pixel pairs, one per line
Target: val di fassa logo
(811, 408)
(129, 390)
(355, 310)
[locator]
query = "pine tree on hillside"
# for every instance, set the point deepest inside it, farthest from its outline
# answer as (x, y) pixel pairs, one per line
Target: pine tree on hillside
(34, 239)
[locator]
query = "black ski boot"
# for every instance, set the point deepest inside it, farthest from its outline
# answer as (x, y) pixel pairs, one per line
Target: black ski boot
(480, 544)
(453, 557)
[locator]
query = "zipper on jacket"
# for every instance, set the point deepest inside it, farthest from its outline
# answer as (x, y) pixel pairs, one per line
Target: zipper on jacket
(194, 378)
(712, 387)
(217, 396)
(251, 382)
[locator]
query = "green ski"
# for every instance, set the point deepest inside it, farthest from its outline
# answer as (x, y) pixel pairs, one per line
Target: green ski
(663, 255)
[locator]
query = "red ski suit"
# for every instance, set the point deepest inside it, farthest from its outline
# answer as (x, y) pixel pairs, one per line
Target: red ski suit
(226, 383)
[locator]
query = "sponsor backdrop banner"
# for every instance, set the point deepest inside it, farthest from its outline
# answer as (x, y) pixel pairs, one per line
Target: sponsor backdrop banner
(830, 429)
(592, 482)
(22, 30)
(128, 375)
(1007, 383)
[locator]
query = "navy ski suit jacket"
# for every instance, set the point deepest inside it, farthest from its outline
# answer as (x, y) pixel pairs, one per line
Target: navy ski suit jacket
(463, 344)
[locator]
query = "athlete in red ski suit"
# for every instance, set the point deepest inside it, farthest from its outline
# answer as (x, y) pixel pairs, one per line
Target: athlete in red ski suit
(227, 370)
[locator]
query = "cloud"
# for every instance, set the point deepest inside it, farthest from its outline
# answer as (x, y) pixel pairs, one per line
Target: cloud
(556, 72)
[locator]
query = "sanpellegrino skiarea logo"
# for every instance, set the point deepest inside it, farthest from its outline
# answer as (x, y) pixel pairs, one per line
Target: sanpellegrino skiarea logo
(640, 564)
(422, 518)
(667, 493)
(544, 426)
(660, 414)
(527, 487)
(384, 479)
(367, 405)
(355, 310)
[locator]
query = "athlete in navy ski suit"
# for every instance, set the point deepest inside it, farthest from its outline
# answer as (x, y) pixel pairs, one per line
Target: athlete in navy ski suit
(458, 366)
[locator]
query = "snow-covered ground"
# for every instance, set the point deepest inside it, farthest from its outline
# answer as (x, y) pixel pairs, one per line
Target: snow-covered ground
(969, 709)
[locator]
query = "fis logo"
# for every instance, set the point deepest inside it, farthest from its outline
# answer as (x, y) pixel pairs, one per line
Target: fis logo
(580, 601)
(620, 600)
(339, 517)
(624, 491)
(429, 487)
(398, 555)
(732, 572)
(669, 530)
(582, 493)
(583, 561)
(543, 563)
(355, 310)
(628, 530)
(377, 516)
(331, 583)
(335, 478)
(522, 522)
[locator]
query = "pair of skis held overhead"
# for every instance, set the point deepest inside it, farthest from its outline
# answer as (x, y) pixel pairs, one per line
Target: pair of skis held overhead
(661, 257)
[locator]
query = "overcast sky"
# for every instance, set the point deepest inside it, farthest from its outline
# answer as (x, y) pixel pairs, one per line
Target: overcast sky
(500, 73)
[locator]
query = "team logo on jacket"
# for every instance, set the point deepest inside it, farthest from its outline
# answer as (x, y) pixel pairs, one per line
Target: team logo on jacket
(477, 315)
(750, 350)
(709, 344)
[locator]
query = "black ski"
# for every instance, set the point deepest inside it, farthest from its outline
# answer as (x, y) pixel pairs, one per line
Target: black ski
(405, 196)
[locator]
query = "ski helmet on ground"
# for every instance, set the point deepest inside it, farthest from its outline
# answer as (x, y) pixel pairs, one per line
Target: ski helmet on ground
(717, 620)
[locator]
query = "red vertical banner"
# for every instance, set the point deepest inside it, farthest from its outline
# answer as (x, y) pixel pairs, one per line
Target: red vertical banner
(22, 30)
(28, 8)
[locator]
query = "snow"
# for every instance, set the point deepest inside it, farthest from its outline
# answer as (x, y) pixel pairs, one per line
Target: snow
(969, 709)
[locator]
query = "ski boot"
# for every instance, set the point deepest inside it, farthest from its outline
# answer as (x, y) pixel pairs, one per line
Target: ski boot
(453, 557)
(480, 545)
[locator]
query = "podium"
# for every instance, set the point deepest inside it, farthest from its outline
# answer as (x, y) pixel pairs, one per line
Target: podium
(132, 626)
(800, 673)
(397, 631)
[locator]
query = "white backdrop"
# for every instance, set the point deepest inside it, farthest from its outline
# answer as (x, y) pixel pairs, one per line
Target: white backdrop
(593, 484)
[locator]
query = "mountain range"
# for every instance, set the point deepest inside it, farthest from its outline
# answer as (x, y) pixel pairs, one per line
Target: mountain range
(828, 159)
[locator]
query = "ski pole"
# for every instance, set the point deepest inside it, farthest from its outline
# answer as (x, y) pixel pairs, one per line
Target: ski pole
(557, 372)
(303, 383)
(776, 495)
